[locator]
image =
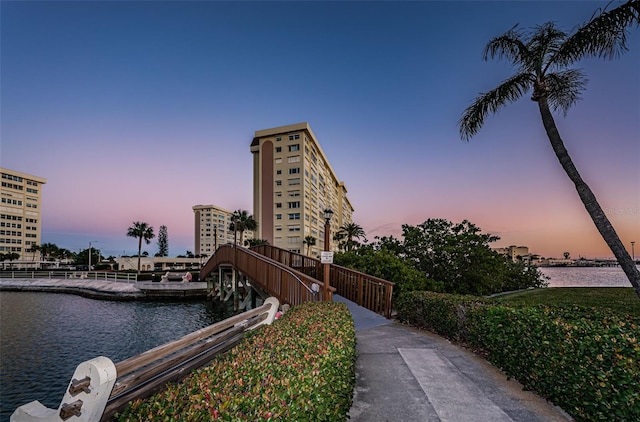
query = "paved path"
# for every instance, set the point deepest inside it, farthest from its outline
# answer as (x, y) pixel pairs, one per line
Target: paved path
(405, 374)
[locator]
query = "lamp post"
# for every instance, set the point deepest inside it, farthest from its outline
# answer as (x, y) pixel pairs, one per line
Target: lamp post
(633, 251)
(91, 241)
(328, 213)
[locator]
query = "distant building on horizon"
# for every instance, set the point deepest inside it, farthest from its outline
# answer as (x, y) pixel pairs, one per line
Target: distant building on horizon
(211, 224)
(516, 253)
(21, 214)
(293, 183)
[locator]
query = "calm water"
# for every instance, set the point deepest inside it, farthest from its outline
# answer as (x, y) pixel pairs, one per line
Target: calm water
(43, 337)
(586, 277)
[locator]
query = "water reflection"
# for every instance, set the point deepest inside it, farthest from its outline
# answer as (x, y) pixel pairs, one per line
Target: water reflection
(43, 337)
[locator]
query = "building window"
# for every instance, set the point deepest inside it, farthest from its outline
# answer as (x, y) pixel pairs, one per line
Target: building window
(293, 159)
(295, 228)
(294, 216)
(295, 170)
(278, 160)
(278, 138)
(296, 136)
(278, 182)
(278, 171)
(295, 204)
(278, 216)
(278, 149)
(294, 193)
(278, 204)
(295, 147)
(295, 181)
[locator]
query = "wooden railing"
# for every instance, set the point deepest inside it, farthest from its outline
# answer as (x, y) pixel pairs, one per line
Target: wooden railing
(99, 388)
(275, 278)
(370, 292)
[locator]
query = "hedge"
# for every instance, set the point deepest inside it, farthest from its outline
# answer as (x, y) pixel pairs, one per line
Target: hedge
(585, 360)
(302, 367)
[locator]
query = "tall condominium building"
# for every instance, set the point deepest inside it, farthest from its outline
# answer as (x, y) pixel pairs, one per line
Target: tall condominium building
(293, 183)
(212, 229)
(20, 213)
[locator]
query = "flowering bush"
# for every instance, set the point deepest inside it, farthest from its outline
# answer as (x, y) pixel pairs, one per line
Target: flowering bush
(302, 367)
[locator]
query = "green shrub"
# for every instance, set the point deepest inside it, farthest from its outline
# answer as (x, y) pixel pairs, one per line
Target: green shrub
(585, 360)
(441, 313)
(302, 367)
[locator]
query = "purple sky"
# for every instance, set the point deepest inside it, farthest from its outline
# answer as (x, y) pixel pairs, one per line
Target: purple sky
(136, 111)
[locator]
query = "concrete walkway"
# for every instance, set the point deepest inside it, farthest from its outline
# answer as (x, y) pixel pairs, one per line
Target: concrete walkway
(405, 374)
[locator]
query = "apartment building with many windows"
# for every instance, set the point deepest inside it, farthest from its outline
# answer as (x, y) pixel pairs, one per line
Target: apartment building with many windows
(20, 214)
(293, 183)
(212, 229)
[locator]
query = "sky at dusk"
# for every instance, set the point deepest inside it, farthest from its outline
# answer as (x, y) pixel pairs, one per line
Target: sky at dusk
(137, 111)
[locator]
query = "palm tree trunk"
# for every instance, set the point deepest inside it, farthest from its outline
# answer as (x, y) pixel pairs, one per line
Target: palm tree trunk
(589, 200)
(139, 251)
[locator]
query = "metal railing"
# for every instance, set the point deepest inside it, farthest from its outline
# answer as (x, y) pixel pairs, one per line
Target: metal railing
(367, 291)
(80, 275)
(278, 280)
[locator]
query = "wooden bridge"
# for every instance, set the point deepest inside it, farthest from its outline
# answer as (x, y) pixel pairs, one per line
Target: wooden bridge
(294, 278)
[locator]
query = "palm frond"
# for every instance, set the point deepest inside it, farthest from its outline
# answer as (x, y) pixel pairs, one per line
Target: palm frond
(564, 88)
(506, 46)
(543, 44)
(605, 35)
(490, 102)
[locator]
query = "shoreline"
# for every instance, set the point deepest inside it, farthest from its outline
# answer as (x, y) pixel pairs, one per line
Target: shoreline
(105, 290)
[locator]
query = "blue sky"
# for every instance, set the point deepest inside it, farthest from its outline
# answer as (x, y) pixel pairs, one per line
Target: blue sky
(140, 110)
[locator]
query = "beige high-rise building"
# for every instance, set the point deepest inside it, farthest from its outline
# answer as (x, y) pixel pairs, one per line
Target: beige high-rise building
(212, 229)
(293, 183)
(20, 214)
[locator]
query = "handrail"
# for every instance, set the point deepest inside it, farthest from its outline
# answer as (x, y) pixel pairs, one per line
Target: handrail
(371, 292)
(99, 388)
(287, 284)
(72, 275)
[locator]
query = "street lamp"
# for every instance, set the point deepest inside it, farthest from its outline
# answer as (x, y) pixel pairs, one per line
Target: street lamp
(91, 241)
(633, 251)
(328, 213)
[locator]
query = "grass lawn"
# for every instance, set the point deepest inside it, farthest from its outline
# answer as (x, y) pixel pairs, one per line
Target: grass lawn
(618, 299)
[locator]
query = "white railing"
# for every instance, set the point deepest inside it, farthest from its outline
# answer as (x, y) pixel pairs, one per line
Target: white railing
(86, 275)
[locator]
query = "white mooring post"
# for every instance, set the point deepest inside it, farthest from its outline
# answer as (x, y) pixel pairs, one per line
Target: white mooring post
(85, 399)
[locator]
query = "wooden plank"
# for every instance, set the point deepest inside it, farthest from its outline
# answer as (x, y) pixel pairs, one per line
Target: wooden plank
(128, 365)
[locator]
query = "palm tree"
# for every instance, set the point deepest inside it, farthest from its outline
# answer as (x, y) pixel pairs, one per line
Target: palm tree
(33, 249)
(49, 250)
(309, 241)
(140, 231)
(241, 221)
(350, 231)
(542, 58)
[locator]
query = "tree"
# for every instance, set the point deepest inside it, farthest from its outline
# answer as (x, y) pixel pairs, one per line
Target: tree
(542, 57)
(163, 242)
(11, 256)
(459, 256)
(382, 263)
(255, 242)
(33, 249)
(49, 250)
(241, 221)
(141, 231)
(347, 234)
(309, 241)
